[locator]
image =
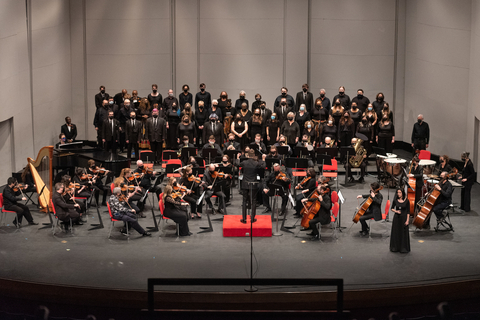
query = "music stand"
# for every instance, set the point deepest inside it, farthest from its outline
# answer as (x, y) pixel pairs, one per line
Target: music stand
(296, 163)
(232, 154)
(282, 150)
(270, 162)
(345, 153)
(188, 152)
(279, 191)
(302, 152)
(325, 159)
(200, 161)
(209, 153)
(169, 154)
(197, 171)
(256, 147)
(332, 152)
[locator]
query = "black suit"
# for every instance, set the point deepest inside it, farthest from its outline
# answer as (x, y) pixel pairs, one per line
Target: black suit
(251, 169)
(217, 132)
(118, 99)
(69, 135)
(307, 101)
(10, 203)
(282, 116)
(100, 115)
(235, 144)
(374, 211)
(99, 99)
(156, 132)
(209, 192)
(323, 215)
(469, 174)
(64, 210)
(110, 133)
(215, 146)
(132, 135)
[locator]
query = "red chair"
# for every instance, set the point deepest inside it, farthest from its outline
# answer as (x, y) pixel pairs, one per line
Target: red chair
(334, 218)
(7, 211)
(112, 186)
(147, 157)
(170, 170)
(168, 155)
(424, 155)
(56, 217)
(334, 196)
(330, 171)
(161, 206)
(387, 209)
(113, 222)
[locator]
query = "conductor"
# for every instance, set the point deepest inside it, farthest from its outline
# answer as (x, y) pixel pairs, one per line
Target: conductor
(251, 167)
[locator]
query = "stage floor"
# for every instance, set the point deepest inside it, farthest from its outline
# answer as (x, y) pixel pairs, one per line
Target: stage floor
(89, 259)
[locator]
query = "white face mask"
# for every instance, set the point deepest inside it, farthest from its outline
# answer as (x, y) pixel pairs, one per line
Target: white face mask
(257, 140)
(330, 122)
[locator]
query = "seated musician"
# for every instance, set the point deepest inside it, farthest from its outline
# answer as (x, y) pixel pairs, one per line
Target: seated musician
(374, 210)
(226, 163)
(211, 145)
(175, 210)
(445, 198)
(69, 193)
(416, 171)
(10, 203)
(363, 166)
(185, 144)
(121, 211)
(192, 162)
(195, 185)
(27, 179)
(211, 188)
(259, 144)
(65, 211)
(135, 192)
(185, 195)
(443, 165)
(231, 144)
(69, 130)
(147, 178)
(303, 144)
(327, 143)
(324, 181)
(279, 178)
(282, 143)
(61, 140)
(322, 216)
(304, 189)
(84, 190)
(97, 181)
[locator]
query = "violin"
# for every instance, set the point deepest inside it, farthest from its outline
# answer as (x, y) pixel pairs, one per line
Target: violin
(305, 180)
(364, 207)
(19, 187)
(281, 176)
(86, 177)
(195, 179)
(135, 176)
(98, 170)
(129, 188)
(176, 195)
(217, 174)
(73, 185)
(178, 188)
(122, 198)
(146, 170)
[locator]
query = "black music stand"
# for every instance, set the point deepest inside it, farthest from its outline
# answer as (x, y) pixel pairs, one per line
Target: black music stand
(282, 150)
(270, 162)
(169, 154)
(51, 224)
(98, 225)
(232, 154)
(197, 171)
(302, 152)
(279, 191)
(325, 159)
(147, 192)
(296, 163)
(345, 153)
(255, 147)
(200, 161)
(209, 154)
(188, 152)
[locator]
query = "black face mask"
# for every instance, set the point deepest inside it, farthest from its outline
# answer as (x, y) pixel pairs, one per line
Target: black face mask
(223, 96)
(262, 106)
(359, 96)
(290, 118)
(380, 99)
(231, 140)
(110, 117)
(419, 121)
(341, 93)
(102, 91)
(304, 89)
(200, 107)
(242, 97)
(283, 104)
(284, 94)
(155, 115)
(185, 90)
(322, 95)
(257, 114)
(212, 120)
(337, 103)
(203, 90)
(132, 117)
(154, 90)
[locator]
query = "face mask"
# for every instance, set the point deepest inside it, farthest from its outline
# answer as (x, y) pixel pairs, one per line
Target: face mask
(223, 96)
(185, 121)
(185, 142)
(304, 89)
(319, 105)
(63, 139)
(258, 99)
(272, 117)
(305, 140)
(214, 106)
(102, 91)
(185, 90)
(200, 107)
(242, 97)
(282, 141)
(380, 98)
(322, 95)
(224, 161)
(302, 109)
(359, 96)
(354, 107)
(232, 139)
(257, 114)
(132, 117)
(284, 104)
(284, 94)
(110, 102)
(337, 103)
(212, 142)
(330, 122)
(170, 94)
(110, 117)
(370, 108)
(155, 115)
(419, 121)
(212, 120)
(346, 116)
(309, 126)
(244, 107)
(385, 107)
(203, 89)
(262, 106)
(127, 106)
(341, 93)
(290, 118)
(154, 90)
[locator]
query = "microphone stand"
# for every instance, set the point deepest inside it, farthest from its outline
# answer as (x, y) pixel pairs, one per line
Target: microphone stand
(251, 288)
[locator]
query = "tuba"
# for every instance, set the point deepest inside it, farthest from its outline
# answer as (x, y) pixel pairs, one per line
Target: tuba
(331, 144)
(356, 160)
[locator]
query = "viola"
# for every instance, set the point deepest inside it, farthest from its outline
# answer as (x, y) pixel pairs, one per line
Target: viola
(310, 209)
(122, 198)
(281, 176)
(86, 176)
(180, 188)
(305, 180)
(134, 176)
(364, 207)
(176, 195)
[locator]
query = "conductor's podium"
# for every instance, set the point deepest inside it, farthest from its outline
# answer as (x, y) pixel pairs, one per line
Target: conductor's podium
(232, 227)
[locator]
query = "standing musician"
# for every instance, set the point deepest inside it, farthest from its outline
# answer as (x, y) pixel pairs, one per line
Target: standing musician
(133, 192)
(175, 210)
(416, 171)
(10, 202)
(110, 133)
(195, 185)
(121, 211)
(147, 176)
(65, 211)
(156, 131)
(322, 215)
(251, 169)
(279, 178)
(210, 183)
(443, 165)
(97, 183)
(445, 198)
(374, 210)
(468, 179)
(305, 188)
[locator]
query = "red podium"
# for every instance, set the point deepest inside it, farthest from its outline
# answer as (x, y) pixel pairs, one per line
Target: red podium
(232, 227)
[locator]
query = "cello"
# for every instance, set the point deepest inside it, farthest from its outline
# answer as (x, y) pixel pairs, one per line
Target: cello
(427, 207)
(411, 190)
(310, 210)
(365, 205)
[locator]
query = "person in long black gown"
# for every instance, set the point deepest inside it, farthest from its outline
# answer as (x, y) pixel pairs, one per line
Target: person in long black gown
(400, 237)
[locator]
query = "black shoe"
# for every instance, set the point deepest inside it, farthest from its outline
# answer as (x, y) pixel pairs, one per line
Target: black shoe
(310, 234)
(254, 220)
(297, 215)
(199, 215)
(315, 238)
(220, 211)
(351, 180)
(268, 209)
(243, 221)
(364, 233)
(142, 215)
(227, 204)
(146, 234)
(15, 223)
(79, 223)
(124, 232)
(33, 223)
(361, 180)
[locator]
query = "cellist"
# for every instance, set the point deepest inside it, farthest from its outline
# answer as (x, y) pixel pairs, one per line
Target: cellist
(322, 215)
(305, 188)
(374, 210)
(416, 171)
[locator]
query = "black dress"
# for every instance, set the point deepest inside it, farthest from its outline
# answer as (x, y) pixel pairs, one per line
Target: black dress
(255, 128)
(239, 128)
(173, 120)
(400, 237)
(175, 211)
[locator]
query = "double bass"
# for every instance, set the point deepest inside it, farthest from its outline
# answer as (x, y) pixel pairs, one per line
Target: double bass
(427, 207)
(412, 182)
(365, 205)
(310, 209)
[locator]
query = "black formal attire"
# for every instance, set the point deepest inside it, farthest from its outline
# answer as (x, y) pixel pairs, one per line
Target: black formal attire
(229, 179)
(222, 104)
(272, 178)
(240, 128)
(362, 102)
(173, 119)
(188, 130)
(10, 203)
(290, 101)
(205, 97)
(418, 175)
(64, 211)
(468, 173)
(346, 132)
(310, 185)
(233, 143)
(291, 132)
(305, 98)
(178, 213)
(322, 216)
(146, 182)
(99, 97)
(301, 119)
(100, 116)
(123, 116)
(247, 116)
(254, 128)
(168, 103)
(420, 136)
(400, 237)
(374, 211)
(356, 116)
(385, 135)
(201, 119)
(282, 112)
(218, 112)
(133, 130)
(368, 130)
(185, 98)
(214, 128)
(121, 211)
(326, 104)
(156, 132)
(111, 134)
(250, 184)
(266, 115)
(215, 146)
(118, 98)
(329, 131)
(444, 200)
(256, 105)
(70, 132)
(137, 196)
(378, 107)
(228, 109)
(273, 133)
(192, 198)
(260, 146)
(439, 168)
(337, 115)
(155, 99)
(238, 104)
(344, 100)
(209, 192)
(348, 168)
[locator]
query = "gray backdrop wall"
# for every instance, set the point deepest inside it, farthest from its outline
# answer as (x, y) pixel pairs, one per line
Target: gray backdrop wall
(421, 55)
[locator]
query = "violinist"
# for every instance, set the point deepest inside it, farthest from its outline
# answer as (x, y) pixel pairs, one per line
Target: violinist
(132, 191)
(416, 171)
(121, 211)
(445, 198)
(322, 216)
(194, 184)
(443, 165)
(65, 211)
(252, 168)
(69, 193)
(175, 210)
(184, 193)
(146, 180)
(83, 191)
(305, 188)
(374, 210)
(97, 184)
(10, 202)
(212, 179)
(279, 178)
(192, 162)
(27, 179)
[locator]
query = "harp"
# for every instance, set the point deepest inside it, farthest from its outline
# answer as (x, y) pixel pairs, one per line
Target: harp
(41, 169)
